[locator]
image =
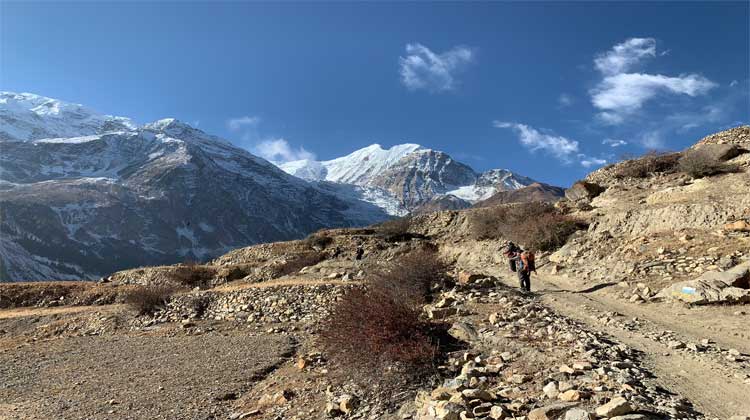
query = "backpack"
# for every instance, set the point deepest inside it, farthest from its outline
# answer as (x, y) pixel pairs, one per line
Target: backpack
(527, 258)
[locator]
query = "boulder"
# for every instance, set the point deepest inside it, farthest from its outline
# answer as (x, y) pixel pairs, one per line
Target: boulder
(583, 191)
(498, 413)
(618, 406)
(550, 412)
(440, 313)
(550, 390)
(467, 278)
(463, 331)
(719, 152)
(737, 276)
(738, 226)
(578, 414)
(701, 292)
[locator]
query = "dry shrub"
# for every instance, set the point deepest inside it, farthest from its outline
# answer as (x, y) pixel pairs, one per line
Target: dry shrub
(647, 165)
(372, 331)
(411, 276)
(699, 164)
(395, 227)
(297, 263)
(546, 232)
(192, 275)
(377, 329)
(318, 240)
(146, 300)
(536, 226)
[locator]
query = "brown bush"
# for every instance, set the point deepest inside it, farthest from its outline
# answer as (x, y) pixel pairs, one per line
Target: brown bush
(297, 263)
(546, 232)
(371, 332)
(146, 300)
(699, 164)
(192, 275)
(318, 240)
(536, 226)
(411, 276)
(395, 227)
(647, 165)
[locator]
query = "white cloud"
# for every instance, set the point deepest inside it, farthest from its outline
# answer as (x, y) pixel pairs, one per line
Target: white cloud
(559, 146)
(565, 100)
(424, 69)
(734, 83)
(622, 57)
(626, 93)
(236, 124)
(588, 162)
(614, 142)
(653, 140)
(620, 94)
(280, 151)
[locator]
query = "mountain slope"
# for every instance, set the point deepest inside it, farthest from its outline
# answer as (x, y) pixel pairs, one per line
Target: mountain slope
(534, 192)
(82, 207)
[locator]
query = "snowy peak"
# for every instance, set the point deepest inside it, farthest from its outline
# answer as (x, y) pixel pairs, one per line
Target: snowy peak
(411, 174)
(363, 165)
(26, 116)
(358, 168)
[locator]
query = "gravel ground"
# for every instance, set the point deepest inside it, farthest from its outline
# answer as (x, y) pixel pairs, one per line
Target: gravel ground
(134, 377)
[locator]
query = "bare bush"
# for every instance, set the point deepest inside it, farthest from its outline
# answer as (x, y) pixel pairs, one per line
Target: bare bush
(192, 275)
(146, 300)
(536, 226)
(410, 277)
(318, 240)
(647, 165)
(698, 164)
(395, 227)
(371, 331)
(546, 232)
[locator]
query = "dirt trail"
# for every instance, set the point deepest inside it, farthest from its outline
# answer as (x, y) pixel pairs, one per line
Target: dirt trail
(25, 312)
(709, 383)
(282, 282)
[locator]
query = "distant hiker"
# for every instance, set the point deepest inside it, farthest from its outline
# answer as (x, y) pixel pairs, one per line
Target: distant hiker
(510, 251)
(337, 252)
(360, 252)
(525, 264)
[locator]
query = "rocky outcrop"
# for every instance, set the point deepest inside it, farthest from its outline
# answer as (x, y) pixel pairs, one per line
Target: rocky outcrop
(731, 286)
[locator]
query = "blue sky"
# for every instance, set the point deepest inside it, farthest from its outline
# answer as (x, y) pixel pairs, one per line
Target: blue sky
(550, 90)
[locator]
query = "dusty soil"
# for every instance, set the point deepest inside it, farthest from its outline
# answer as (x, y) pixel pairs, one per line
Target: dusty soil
(135, 376)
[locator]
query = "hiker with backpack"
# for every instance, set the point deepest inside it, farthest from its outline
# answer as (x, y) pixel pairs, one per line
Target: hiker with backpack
(510, 251)
(523, 263)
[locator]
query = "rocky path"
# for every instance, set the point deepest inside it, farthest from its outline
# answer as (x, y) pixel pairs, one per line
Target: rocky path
(713, 374)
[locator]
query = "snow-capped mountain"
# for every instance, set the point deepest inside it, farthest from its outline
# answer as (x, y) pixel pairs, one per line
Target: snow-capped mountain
(410, 174)
(84, 194)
